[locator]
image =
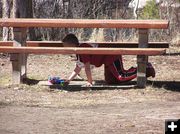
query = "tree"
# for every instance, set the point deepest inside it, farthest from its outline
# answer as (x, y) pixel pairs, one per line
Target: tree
(30, 12)
(135, 9)
(17, 9)
(5, 14)
(150, 11)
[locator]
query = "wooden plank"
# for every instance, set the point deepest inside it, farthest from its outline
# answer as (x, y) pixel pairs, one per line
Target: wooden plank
(77, 85)
(101, 44)
(6, 43)
(84, 23)
(72, 50)
(132, 44)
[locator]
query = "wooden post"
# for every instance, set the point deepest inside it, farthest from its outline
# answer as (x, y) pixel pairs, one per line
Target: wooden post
(142, 59)
(19, 60)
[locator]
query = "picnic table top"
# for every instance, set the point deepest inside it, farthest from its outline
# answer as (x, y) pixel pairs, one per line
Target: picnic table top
(72, 50)
(84, 23)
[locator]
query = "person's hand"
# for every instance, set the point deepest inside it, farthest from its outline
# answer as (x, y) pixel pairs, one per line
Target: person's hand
(88, 84)
(73, 58)
(66, 82)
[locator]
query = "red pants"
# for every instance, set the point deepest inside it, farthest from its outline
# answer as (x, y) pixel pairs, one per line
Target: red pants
(115, 73)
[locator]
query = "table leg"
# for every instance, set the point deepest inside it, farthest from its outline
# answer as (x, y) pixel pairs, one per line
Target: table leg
(142, 59)
(18, 60)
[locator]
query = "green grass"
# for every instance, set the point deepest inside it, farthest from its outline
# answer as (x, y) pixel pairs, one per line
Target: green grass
(5, 80)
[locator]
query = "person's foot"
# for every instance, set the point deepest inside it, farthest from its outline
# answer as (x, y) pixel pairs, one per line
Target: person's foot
(132, 70)
(150, 71)
(125, 77)
(79, 77)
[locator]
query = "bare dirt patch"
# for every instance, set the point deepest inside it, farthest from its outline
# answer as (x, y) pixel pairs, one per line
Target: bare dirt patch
(40, 109)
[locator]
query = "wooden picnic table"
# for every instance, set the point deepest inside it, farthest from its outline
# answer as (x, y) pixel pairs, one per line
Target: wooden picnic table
(19, 50)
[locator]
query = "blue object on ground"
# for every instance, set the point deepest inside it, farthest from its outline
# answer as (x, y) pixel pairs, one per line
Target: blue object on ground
(56, 80)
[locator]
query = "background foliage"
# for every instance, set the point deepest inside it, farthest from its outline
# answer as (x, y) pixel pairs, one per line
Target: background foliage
(100, 9)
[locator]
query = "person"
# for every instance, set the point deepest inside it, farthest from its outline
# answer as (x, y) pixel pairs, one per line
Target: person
(113, 64)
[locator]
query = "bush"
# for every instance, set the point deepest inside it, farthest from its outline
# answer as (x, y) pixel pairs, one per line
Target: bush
(150, 11)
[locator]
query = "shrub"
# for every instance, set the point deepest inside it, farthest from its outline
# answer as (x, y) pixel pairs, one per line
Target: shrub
(150, 11)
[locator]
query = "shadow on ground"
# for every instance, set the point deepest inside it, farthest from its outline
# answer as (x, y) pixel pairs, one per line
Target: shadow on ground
(101, 85)
(98, 85)
(29, 81)
(168, 85)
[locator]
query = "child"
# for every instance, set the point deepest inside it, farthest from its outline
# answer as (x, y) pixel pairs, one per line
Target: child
(113, 64)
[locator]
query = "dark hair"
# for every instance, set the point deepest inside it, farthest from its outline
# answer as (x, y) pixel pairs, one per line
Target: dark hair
(71, 38)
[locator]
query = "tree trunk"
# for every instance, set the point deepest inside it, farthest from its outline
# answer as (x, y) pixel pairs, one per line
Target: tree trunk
(20, 8)
(6, 14)
(24, 9)
(66, 13)
(29, 9)
(136, 9)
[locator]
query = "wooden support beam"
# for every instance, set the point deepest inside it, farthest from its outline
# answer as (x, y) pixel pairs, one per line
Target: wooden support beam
(142, 59)
(84, 23)
(6, 43)
(95, 51)
(101, 44)
(18, 60)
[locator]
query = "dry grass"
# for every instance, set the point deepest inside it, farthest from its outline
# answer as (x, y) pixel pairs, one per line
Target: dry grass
(41, 109)
(176, 40)
(97, 35)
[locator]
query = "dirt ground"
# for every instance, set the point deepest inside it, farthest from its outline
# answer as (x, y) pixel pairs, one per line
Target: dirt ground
(34, 109)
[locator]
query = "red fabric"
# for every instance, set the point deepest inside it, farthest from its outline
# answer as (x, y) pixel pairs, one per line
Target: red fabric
(126, 79)
(109, 77)
(97, 60)
(113, 73)
(113, 77)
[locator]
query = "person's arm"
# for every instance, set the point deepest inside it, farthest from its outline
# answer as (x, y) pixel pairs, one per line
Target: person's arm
(74, 74)
(88, 73)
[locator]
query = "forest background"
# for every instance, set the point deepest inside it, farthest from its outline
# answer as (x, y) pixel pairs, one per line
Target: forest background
(95, 9)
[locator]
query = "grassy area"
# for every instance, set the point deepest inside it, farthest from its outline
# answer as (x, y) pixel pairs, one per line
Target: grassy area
(5, 80)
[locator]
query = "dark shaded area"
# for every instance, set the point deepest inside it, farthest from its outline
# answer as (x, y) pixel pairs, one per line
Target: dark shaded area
(172, 54)
(101, 44)
(169, 85)
(29, 81)
(4, 104)
(101, 85)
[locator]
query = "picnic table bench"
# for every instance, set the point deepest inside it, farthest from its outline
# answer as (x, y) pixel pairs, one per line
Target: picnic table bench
(19, 47)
